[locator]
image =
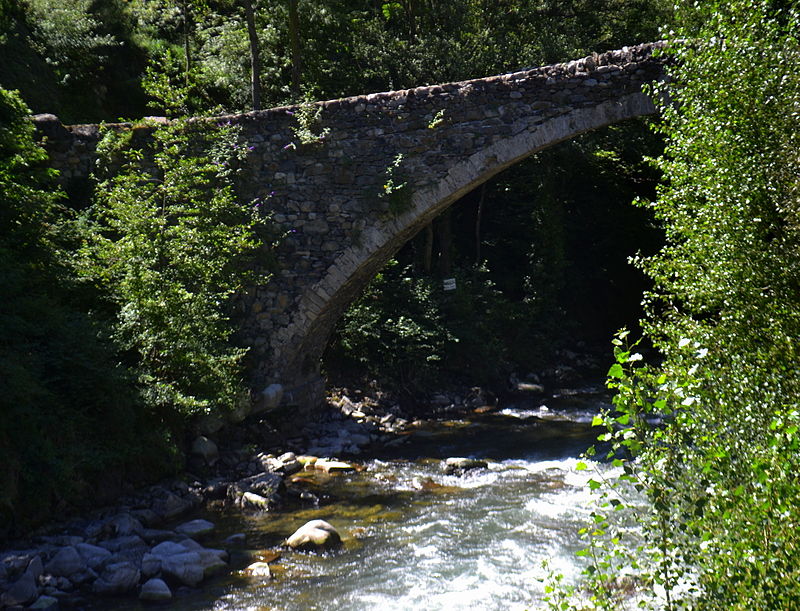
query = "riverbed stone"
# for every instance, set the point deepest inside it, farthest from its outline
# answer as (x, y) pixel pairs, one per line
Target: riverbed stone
(22, 592)
(270, 398)
(128, 542)
(236, 539)
(66, 562)
(461, 465)
(259, 569)
(123, 525)
(333, 466)
(212, 561)
(151, 565)
(156, 535)
(117, 578)
(254, 501)
(196, 528)
(205, 448)
(170, 506)
(45, 602)
(316, 535)
(185, 568)
(167, 548)
(155, 590)
(93, 555)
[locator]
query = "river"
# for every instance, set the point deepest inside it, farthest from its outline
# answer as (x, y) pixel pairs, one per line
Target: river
(416, 538)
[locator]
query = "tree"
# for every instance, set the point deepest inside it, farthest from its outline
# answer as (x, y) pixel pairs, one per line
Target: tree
(255, 56)
(69, 414)
(720, 475)
(170, 246)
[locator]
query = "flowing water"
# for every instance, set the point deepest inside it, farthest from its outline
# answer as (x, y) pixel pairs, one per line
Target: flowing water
(416, 538)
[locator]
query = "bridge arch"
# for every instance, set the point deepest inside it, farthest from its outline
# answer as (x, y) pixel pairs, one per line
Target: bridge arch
(352, 269)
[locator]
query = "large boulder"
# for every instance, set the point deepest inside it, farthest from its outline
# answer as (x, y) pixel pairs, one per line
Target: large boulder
(45, 602)
(316, 535)
(124, 543)
(270, 399)
(123, 525)
(170, 506)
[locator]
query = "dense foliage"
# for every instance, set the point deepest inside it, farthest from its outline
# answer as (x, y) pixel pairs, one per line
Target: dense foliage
(720, 528)
(170, 244)
(69, 415)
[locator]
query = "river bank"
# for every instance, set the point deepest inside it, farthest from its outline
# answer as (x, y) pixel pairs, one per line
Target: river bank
(152, 546)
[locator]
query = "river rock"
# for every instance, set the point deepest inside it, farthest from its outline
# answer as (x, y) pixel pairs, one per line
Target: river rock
(252, 500)
(259, 569)
(289, 463)
(126, 543)
(205, 448)
(236, 539)
(331, 466)
(196, 528)
(212, 561)
(156, 535)
(22, 592)
(65, 563)
(315, 535)
(460, 465)
(45, 602)
(270, 398)
(35, 567)
(151, 565)
(93, 555)
(117, 578)
(155, 590)
(167, 548)
(170, 506)
(185, 568)
(123, 525)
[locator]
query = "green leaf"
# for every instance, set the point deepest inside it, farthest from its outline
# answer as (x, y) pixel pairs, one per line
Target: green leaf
(616, 371)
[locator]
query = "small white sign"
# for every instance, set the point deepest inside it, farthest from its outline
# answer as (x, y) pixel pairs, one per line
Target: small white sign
(449, 284)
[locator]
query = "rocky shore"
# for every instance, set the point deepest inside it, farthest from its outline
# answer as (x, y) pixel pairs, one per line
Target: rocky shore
(147, 547)
(151, 546)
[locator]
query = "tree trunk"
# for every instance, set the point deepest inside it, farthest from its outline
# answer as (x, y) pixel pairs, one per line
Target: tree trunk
(255, 59)
(478, 216)
(186, 48)
(445, 244)
(427, 256)
(294, 37)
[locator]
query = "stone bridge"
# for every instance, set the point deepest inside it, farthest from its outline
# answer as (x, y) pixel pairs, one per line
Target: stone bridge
(382, 167)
